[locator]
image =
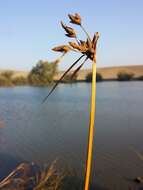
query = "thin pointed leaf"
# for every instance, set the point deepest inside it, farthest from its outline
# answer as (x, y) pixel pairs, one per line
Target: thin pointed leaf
(62, 77)
(76, 71)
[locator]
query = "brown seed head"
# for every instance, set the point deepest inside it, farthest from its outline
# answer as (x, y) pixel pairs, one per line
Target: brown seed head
(62, 48)
(75, 19)
(70, 31)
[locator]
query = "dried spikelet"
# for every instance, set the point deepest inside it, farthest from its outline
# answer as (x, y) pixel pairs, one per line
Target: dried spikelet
(70, 31)
(94, 41)
(63, 25)
(70, 35)
(75, 19)
(97, 36)
(75, 46)
(83, 46)
(62, 48)
(89, 43)
(83, 43)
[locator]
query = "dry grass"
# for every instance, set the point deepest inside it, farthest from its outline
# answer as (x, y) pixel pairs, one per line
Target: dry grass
(49, 178)
(30, 176)
(52, 178)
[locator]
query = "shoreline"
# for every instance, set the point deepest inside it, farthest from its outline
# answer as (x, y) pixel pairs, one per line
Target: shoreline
(109, 73)
(74, 82)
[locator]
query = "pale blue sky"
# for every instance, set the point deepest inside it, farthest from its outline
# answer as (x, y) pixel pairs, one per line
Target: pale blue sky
(30, 28)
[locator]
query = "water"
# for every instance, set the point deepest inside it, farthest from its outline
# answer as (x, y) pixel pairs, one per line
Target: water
(58, 129)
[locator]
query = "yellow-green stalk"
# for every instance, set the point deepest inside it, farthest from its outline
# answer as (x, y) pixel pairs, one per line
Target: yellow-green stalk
(91, 128)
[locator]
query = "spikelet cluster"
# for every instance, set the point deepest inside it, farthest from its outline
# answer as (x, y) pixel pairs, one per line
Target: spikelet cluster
(87, 47)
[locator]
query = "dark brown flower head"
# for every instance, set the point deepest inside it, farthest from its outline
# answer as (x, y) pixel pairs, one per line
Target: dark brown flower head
(62, 48)
(75, 19)
(91, 53)
(70, 31)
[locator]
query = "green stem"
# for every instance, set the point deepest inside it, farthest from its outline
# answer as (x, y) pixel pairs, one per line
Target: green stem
(88, 36)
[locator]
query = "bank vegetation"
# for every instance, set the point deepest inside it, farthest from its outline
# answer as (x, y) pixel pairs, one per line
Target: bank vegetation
(44, 74)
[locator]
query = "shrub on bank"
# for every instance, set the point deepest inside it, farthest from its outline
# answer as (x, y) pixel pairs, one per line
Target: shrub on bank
(89, 77)
(20, 80)
(123, 76)
(4, 82)
(5, 78)
(43, 73)
(140, 77)
(7, 75)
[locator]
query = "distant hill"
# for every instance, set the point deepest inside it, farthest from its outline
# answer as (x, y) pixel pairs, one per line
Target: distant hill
(106, 72)
(109, 72)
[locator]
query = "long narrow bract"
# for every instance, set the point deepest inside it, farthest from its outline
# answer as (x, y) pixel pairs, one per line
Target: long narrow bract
(77, 70)
(56, 84)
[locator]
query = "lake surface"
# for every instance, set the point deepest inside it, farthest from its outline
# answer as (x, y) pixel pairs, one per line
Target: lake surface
(58, 129)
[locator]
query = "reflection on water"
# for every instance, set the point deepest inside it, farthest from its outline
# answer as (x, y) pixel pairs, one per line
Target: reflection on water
(58, 128)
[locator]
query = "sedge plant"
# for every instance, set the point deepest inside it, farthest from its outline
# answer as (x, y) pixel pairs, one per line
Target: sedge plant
(87, 50)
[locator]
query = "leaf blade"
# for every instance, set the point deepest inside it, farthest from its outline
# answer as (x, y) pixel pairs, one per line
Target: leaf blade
(77, 70)
(62, 78)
